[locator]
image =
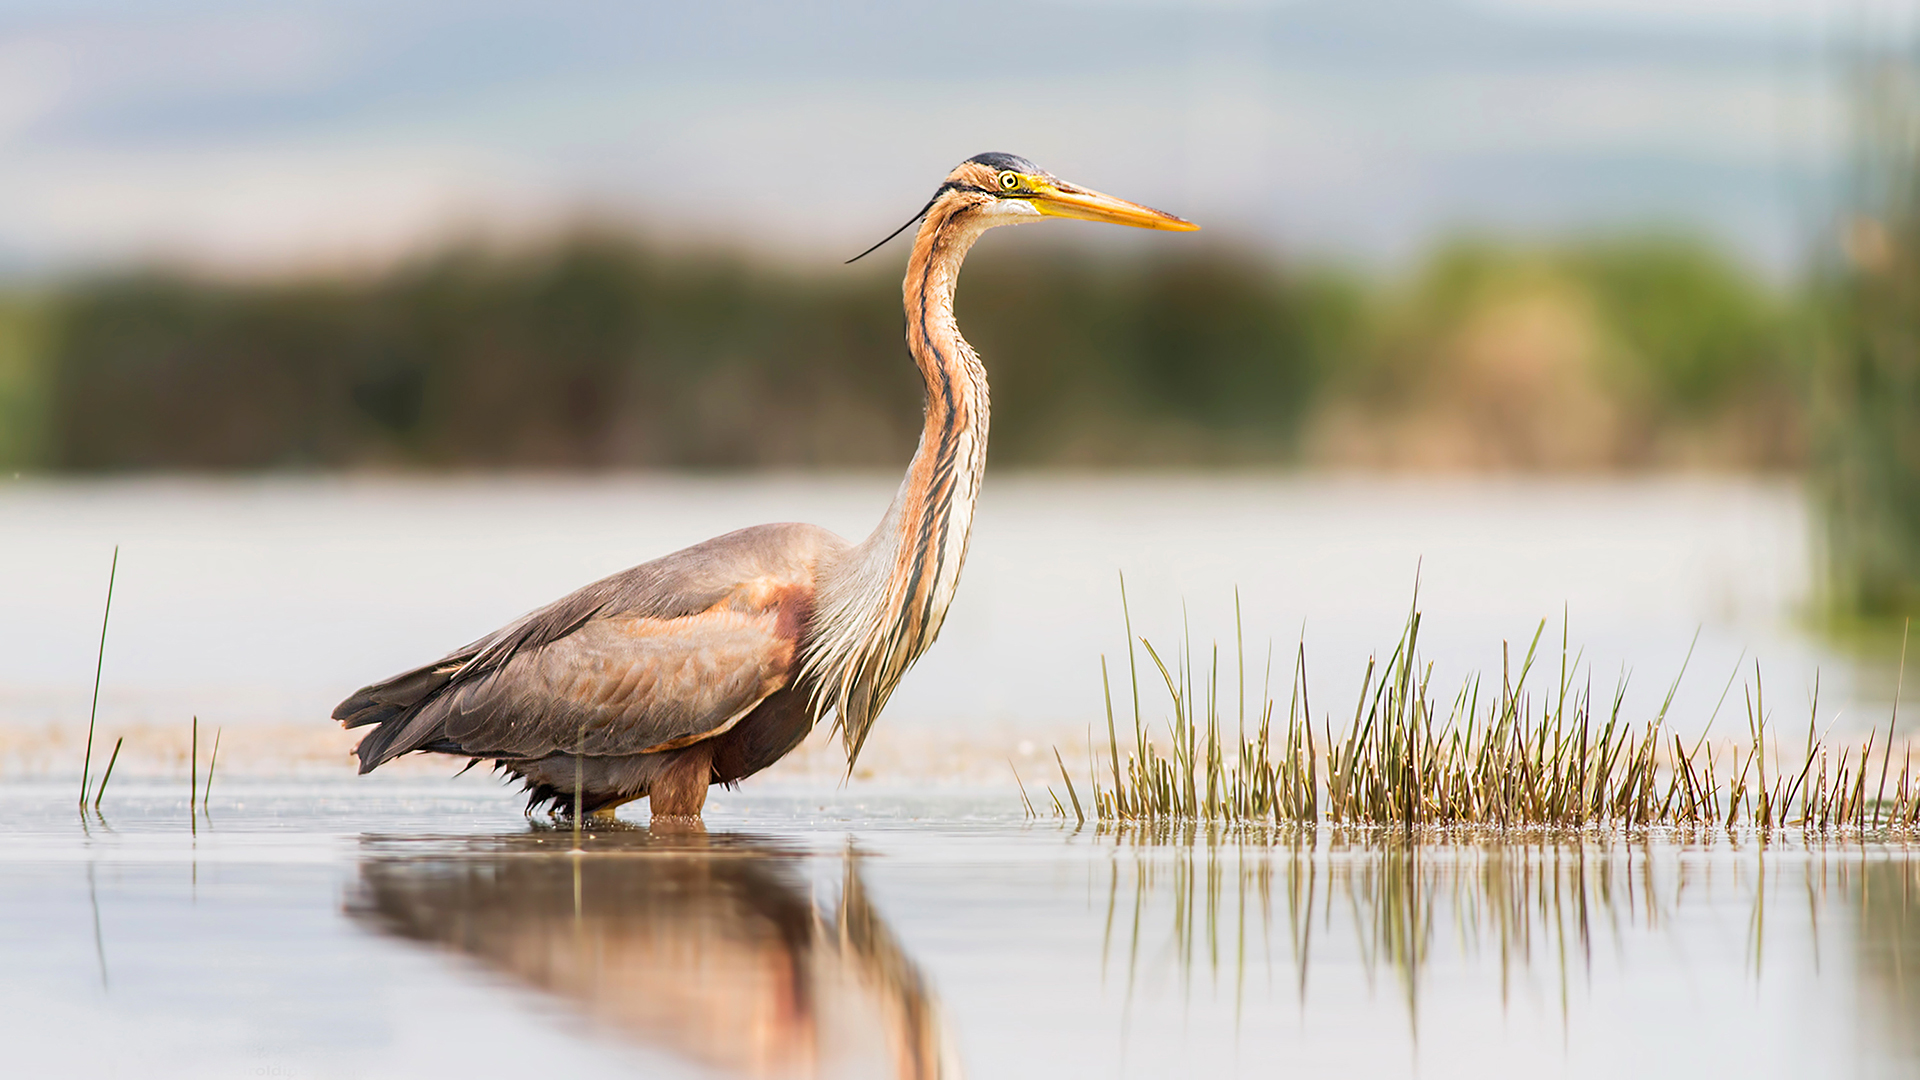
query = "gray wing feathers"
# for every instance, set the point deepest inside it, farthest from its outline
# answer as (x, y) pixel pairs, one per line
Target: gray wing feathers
(620, 686)
(677, 648)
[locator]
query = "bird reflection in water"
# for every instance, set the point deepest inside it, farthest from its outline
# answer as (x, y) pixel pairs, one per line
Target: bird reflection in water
(710, 947)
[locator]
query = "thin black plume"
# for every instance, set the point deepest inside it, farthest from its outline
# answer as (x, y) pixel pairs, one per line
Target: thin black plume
(910, 223)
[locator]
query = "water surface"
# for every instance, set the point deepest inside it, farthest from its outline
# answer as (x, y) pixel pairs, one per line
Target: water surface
(406, 929)
(263, 602)
(311, 924)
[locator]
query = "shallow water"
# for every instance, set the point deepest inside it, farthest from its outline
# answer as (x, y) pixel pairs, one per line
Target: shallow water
(255, 603)
(406, 929)
(403, 926)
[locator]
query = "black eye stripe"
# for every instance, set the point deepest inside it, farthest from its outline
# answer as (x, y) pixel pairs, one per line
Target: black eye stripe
(955, 185)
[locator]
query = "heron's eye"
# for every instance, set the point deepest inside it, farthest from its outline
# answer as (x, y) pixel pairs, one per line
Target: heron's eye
(1009, 181)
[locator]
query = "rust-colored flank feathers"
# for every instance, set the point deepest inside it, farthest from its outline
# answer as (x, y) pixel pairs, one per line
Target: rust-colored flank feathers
(710, 664)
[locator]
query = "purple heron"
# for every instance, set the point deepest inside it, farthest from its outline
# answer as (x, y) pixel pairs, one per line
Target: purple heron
(707, 665)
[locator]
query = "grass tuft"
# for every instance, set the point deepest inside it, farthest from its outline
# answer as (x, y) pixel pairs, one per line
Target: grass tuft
(1500, 757)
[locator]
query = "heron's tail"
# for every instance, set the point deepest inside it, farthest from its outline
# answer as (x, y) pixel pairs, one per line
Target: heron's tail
(383, 701)
(394, 707)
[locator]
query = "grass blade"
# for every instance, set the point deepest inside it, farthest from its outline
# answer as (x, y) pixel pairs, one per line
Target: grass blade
(101, 791)
(206, 794)
(99, 664)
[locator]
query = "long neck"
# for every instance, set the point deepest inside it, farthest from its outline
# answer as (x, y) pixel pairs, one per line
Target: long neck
(880, 607)
(932, 513)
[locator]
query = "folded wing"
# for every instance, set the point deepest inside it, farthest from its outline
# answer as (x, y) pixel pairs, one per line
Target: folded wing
(656, 658)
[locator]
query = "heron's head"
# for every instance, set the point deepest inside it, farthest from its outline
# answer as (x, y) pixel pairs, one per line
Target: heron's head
(1005, 189)
(1010, 189)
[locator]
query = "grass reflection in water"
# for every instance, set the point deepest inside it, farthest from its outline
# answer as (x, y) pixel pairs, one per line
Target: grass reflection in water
(1193, 910)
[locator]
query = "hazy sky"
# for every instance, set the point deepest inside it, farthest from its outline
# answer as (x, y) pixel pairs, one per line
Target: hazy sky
(255, 132)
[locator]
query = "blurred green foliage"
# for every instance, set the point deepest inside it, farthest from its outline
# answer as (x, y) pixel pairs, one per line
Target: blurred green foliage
(1866, 399)
(596, 350)
(599, 351)
(1215, 356)
(24, 377)
(1867, 462)
(1867, 410)
(1684, 328)
(1637, 351)
(1693, 332)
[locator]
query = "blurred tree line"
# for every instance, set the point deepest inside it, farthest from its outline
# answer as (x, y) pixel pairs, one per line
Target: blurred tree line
(597, 350)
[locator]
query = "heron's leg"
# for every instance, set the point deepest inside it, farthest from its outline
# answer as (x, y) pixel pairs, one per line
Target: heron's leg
(681, 788)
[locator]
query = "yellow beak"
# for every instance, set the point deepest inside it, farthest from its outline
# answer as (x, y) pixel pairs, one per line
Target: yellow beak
(1061, 199)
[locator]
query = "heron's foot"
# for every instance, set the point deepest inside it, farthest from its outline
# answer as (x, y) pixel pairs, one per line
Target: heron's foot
(561, 816)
